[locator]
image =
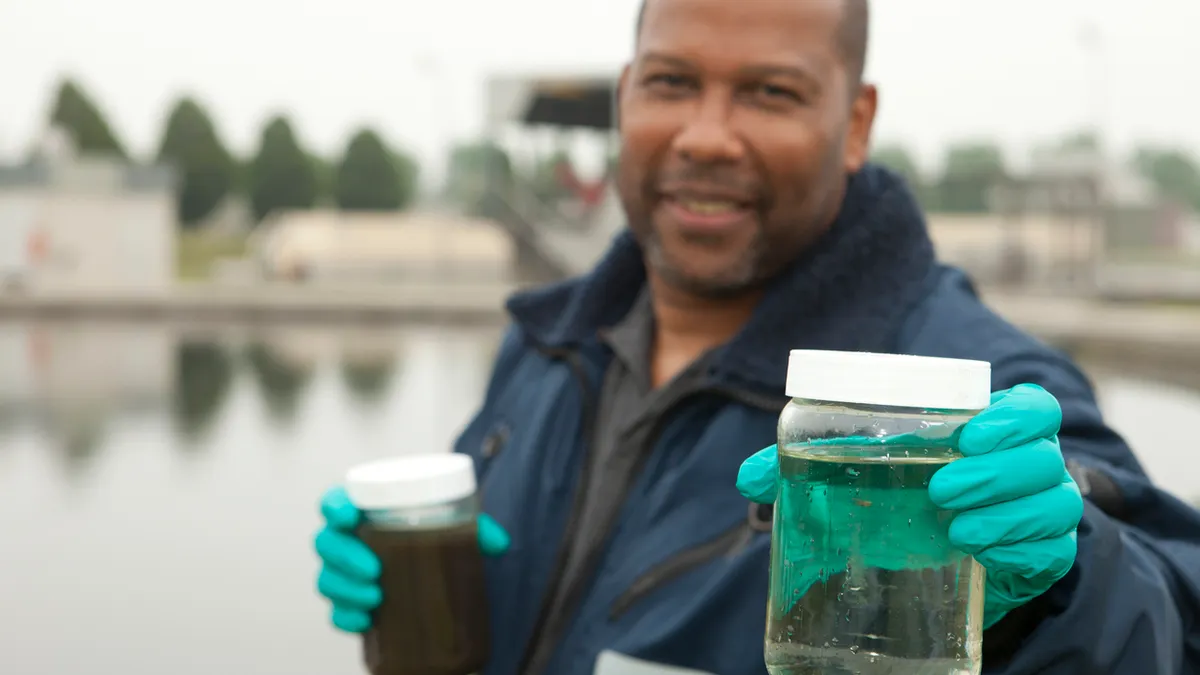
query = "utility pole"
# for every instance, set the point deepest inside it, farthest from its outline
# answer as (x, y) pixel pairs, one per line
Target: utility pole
(1092, 41)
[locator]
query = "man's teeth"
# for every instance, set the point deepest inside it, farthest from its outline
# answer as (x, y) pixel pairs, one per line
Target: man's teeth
(709, 207)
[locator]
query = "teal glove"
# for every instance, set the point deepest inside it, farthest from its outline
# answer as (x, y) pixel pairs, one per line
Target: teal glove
(1016, 506)
(350, 570)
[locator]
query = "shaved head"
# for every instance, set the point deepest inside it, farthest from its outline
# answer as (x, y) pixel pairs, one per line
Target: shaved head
(853, 36)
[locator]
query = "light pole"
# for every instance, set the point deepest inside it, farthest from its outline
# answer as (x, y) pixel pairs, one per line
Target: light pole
(433, 71)
(1092, 40)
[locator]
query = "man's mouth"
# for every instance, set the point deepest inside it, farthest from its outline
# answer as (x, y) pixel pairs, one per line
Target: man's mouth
(710, 207)
(705, 215)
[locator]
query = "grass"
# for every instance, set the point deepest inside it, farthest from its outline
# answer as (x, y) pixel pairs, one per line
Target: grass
(197, 252)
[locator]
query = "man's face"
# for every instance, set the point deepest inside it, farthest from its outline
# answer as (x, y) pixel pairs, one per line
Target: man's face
(738, 129)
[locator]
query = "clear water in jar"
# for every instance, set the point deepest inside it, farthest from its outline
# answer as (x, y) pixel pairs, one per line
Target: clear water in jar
(863, 578)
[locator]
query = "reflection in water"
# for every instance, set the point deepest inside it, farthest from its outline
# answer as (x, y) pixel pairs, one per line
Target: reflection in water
(368, 378)
(79, 429)
(281, 382)
(203, 375)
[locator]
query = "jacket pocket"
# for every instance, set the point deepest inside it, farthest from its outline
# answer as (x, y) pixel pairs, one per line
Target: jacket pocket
(726, 544)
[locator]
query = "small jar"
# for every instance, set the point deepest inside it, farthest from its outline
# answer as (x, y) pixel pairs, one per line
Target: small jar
(420, 516)
(863, 577)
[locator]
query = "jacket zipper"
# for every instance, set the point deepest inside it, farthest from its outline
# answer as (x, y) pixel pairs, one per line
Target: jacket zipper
(727, 544)
(560, 562)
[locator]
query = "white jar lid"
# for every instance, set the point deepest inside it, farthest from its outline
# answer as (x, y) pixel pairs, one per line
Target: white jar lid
(411, 481)
(889, 380)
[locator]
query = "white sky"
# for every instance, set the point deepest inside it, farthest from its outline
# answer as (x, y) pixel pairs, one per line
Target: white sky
(1016, 70)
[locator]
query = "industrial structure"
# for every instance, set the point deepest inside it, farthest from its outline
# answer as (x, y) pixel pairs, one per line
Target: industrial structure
(1071, 224)
(330, 245)
(70, 223)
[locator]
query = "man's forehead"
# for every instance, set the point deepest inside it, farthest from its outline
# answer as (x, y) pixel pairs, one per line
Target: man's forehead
(741, 33)
(796, 23)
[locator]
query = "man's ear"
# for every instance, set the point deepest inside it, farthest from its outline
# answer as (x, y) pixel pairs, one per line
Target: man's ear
(862, 119)
(622, 82)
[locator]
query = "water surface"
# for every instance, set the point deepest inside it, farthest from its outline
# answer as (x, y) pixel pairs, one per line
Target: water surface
(158, 493)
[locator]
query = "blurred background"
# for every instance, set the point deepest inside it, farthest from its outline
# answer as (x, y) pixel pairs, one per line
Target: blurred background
(244, 245)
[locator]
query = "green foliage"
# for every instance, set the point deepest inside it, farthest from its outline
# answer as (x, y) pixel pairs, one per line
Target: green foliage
(74, 112)
(282, 175)
(1175, 174)
(897, 158)
(409, 171)
(207, 172)
(475, 168)
(971, 170)
(371, 178)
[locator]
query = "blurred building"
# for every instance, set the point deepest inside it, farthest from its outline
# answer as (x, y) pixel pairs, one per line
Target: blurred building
(534, 117)
(78, 223)
(329, 245)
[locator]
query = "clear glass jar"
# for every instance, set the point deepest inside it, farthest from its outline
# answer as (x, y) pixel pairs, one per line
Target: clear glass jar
(420, 517)
(863, 577)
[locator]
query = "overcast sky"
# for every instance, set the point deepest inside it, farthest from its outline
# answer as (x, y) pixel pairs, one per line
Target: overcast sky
(1018, 70)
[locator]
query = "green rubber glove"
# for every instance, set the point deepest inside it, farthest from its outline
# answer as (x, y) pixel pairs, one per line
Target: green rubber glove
(350, 570)
(1015, 507)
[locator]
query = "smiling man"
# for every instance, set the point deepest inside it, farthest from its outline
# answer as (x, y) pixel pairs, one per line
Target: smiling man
(616, 446)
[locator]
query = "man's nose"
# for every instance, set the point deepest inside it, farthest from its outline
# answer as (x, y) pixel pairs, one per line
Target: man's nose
(708, 137)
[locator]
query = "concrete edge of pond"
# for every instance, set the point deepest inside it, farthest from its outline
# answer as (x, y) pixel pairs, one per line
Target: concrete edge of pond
(1073, 323)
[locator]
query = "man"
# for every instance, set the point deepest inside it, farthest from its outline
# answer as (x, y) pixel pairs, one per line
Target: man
(624, 403)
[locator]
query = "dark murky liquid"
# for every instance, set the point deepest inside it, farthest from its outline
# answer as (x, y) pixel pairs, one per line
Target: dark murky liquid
(434, 618)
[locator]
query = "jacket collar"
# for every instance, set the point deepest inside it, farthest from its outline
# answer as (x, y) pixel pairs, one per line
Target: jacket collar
(851, 291)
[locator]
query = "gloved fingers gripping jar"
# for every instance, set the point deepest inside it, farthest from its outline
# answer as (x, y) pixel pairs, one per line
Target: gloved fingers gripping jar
(863, 577)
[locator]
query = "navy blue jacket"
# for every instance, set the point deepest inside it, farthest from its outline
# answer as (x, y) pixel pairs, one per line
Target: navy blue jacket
(682, 578)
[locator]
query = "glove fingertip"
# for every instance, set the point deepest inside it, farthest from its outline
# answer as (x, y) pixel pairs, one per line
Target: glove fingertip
(493, 538)
(338, 510)
(757, 478)
(351, 620)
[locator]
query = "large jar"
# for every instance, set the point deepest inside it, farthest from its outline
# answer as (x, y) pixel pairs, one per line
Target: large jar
(863, 577)
(420, 515)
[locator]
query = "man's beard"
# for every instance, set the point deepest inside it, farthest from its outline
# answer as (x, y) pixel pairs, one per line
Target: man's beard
(747, 274)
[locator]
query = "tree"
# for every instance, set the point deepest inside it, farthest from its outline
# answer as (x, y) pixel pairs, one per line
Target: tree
(207, 172)
(475, 168)
(897, 158)
(75, 113)
(1173, 172)
(368, 177)
(970, 172)
(324, 170)
(282, 174)
(410, 174)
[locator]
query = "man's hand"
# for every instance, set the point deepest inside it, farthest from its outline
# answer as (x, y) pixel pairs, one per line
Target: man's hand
(1016, 507)
(349, 576)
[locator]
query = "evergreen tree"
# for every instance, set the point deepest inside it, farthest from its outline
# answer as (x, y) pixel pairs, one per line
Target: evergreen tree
(75, 113)
(971, 170)
(207, 173)
(368, 178)
(282, 175)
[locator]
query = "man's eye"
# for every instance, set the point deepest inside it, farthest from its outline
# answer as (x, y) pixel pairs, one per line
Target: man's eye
(668, 81)
(776, 92)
